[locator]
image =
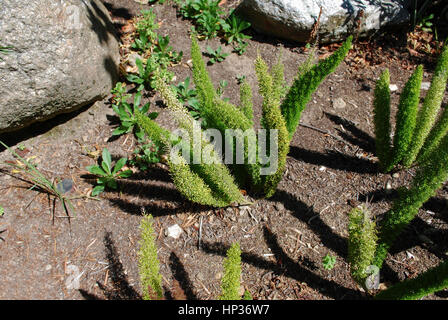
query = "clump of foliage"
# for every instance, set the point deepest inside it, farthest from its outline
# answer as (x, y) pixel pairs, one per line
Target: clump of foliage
(216, 55)
(126, 112)
(157, 50)
(418, 132)
(211, 20)
(149, 265)
(361, 243)
(230, 283)
(428, 179)
(200, 183)
(107, 173)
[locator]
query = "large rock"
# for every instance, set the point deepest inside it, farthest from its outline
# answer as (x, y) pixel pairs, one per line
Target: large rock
(295, 19)
(65, 55)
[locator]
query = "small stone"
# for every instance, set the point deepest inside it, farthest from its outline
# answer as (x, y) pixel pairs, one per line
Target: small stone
(174, 231)
(279, 206)
(393, 87)
(339, 103)
(48, 267)
(388, 187)
(322, 169)
(133, 58)
(425, 85)
(396, 175)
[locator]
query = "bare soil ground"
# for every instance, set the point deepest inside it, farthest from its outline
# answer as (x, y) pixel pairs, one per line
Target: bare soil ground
(283, 238)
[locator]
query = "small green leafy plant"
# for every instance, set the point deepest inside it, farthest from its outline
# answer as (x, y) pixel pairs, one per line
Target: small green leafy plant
(126, 112)
(429, 177)
(145, 155)
(328, 262)
(206, 15)
(233, 29)
(216, 55)
(145, 27)
(108, 173)
(119, 94)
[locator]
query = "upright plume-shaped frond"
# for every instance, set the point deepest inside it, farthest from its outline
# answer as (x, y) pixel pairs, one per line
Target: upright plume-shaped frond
(382, 119)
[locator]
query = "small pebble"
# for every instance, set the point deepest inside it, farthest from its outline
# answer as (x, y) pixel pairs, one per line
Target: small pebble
(174, 231)
(425, 85)
(393, 87)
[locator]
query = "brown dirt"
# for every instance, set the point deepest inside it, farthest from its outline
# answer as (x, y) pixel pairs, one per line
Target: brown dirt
(283, 239)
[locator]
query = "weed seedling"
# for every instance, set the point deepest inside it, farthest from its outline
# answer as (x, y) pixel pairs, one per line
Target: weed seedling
(328, 262)
(216, 55)
(127, 117)
(108, 173)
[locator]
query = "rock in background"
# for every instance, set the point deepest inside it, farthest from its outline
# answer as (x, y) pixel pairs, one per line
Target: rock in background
(65, 55)
(294, 19)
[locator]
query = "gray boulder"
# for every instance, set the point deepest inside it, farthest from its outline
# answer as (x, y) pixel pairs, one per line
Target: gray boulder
(294, 19)
(65, 55)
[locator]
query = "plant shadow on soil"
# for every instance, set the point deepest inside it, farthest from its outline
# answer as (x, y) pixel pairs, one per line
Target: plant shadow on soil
(286, 266)
(337, 160)
(122, 290)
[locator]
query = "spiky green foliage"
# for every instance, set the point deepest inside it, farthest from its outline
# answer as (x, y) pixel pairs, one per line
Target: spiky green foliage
(361, 243)
(406, 117)
(430, 108)
(211, 178)
(433, 280)
(437, 133)
(272, 118)
(381, 119)
(191, 185)
(427, 180)
(204, 86)
(230, 283)
(157, 134)
(303, 87)
(246, 105)
(149, 265)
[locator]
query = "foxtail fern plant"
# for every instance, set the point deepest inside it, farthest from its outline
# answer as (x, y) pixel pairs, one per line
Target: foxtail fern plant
(418, 132)
(213, 184)
(430, 176)
(230, 283)
(150, 277)
(361, 243)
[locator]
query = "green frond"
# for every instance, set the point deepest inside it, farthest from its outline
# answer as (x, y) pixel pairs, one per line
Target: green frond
(437, 133)
(204, 86)
(430, 108)
(149, 265)
(382, 119)
(406, 117)
(191, 185)
(303, 87)
(361, 243)
(246, 104)
(230, 283)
